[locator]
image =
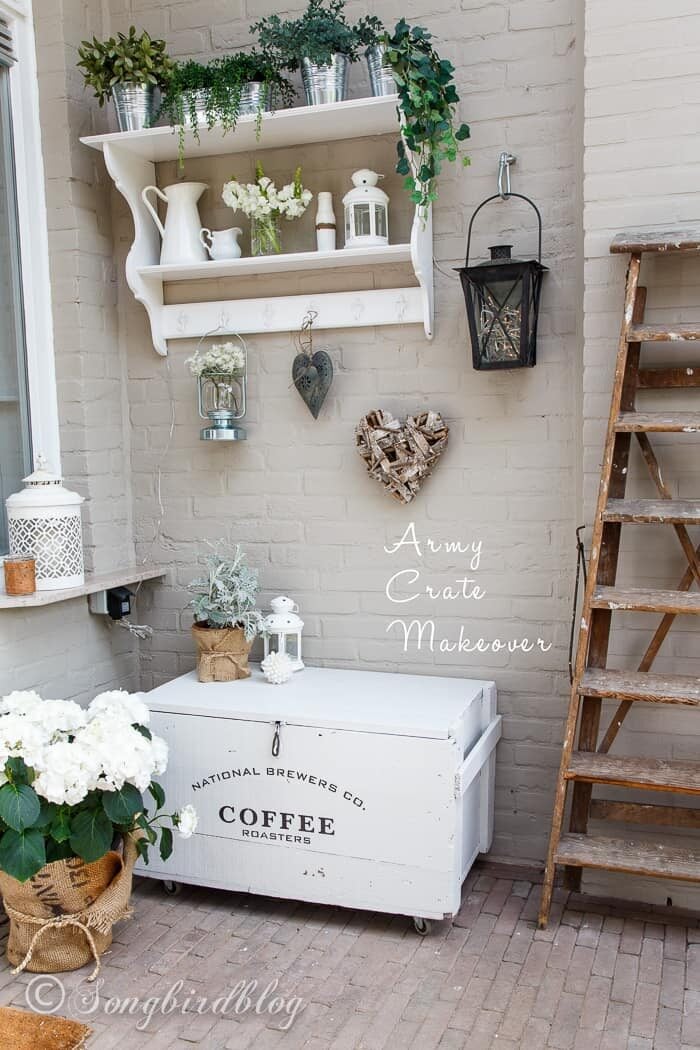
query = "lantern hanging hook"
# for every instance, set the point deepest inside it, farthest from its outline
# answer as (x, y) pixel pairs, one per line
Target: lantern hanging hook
(504, 162)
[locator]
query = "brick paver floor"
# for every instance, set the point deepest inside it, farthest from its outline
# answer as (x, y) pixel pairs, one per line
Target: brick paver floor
(601, 977)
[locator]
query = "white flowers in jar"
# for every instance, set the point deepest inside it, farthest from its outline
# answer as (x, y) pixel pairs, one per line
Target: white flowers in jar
(219, 359)
(264, 204)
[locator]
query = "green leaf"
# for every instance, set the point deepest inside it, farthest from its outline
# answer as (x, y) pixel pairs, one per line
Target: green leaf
(57, 851)
(60, 826)
(22, 853)
(17, 771)
(462, 132)
(166, 843)
(19, 806)
(144, 731)
(91, 834)
(142, 849)
(122, 806)
(158, 794)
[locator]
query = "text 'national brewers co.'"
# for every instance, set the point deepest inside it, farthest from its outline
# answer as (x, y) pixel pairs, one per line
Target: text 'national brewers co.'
(273, 824)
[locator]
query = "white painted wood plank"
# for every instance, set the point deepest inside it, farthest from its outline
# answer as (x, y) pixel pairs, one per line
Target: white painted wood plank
(343, 257)
(355, 118)
(359, 701)
(284, 313)
(102, 581)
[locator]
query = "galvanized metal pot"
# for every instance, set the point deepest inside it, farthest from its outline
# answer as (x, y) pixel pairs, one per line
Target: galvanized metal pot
(328, 83)
(254, 98)
(134, 105)
(381, 77)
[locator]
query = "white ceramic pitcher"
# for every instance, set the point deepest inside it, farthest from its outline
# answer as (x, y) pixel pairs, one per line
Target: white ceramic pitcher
(181, 242)
(222, 244)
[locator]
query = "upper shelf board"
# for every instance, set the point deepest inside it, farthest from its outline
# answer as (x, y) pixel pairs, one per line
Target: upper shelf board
(356, 118)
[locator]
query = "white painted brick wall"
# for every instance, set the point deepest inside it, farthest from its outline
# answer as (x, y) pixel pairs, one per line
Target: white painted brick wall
(296, 494)
(62, 649)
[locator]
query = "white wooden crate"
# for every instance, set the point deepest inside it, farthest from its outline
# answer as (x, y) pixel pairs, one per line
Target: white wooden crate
(381, 795)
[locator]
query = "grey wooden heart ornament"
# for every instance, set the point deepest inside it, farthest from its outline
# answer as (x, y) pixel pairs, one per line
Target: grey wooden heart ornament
(312, 376)
(312, 373)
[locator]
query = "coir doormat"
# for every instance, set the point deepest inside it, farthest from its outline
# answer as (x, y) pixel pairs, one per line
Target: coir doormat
(22, 1030)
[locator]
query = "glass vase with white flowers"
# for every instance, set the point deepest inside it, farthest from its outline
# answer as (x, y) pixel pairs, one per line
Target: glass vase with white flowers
(265, 205)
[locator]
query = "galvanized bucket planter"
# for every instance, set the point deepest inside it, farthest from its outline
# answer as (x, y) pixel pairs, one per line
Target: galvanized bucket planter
(254, 98)
(381, 77)
(328, 83)
(134, 105)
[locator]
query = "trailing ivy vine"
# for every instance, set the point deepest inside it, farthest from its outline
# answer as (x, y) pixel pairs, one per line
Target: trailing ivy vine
(427, 103)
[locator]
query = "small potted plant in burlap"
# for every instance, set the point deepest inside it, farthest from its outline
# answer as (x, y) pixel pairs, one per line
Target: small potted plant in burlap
(225, 618)
(73, 820)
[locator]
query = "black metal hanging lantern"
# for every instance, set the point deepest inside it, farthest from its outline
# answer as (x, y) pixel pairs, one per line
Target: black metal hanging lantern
(503, 295)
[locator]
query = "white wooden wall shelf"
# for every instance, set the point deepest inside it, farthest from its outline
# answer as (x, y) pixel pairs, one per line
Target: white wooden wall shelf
(131, 157)
(100, 581)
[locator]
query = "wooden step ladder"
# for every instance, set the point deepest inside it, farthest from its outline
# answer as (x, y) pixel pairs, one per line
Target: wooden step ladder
(590, 762)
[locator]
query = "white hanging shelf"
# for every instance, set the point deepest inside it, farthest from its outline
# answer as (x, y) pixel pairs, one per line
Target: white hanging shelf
(130, 158)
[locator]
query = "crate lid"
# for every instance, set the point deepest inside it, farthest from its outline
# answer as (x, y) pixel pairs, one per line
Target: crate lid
(330, 698)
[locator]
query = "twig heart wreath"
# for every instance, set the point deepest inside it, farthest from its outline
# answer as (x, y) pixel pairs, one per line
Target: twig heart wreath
(401, 454)
(312, 373)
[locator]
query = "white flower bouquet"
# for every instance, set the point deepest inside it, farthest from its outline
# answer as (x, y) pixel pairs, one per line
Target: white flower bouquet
(220, 359)
(72, 781)
(264, 205)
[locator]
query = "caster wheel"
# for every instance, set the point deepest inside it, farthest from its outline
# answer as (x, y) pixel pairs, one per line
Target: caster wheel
(173, 889)
(422, 926)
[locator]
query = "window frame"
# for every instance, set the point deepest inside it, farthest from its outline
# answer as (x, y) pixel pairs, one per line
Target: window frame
(33, 234)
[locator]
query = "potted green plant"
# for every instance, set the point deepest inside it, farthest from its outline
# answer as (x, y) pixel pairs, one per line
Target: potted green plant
(430, 133)
(128, 69)
(322, 43)
(73, 819)
(221, 91)
(225, 618)
(372, 37)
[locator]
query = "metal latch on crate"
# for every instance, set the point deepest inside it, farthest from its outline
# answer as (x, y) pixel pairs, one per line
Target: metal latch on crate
(276, 739)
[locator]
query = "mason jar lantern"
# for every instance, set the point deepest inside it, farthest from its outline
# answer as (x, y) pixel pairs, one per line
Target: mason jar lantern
(282, 630)
(44, 523)
(222, 401)
(366, 211)
(503, 295)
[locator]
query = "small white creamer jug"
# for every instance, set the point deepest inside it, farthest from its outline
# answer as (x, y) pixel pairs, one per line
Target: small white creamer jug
(221, 244)
(181, 241)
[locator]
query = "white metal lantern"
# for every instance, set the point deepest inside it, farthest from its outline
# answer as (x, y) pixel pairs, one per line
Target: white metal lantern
(282, 631)
(44, 523)
(366, 211)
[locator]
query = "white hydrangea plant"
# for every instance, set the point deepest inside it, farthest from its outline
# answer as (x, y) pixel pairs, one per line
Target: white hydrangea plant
(72, 780)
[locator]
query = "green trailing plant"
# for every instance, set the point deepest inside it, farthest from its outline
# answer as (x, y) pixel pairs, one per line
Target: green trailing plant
(430, 133)
(321, 32)
(126, 59)
(217, 89)
(226, 595)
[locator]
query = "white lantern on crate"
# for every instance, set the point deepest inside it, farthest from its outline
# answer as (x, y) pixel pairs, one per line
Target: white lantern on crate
(44, 523)
(282, 631)
(366, 212)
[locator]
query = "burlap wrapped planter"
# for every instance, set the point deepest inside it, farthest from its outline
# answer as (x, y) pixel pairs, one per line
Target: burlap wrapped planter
(62, 917)
(222, 653)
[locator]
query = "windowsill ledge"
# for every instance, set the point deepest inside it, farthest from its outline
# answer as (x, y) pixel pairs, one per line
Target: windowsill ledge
(101, 581)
